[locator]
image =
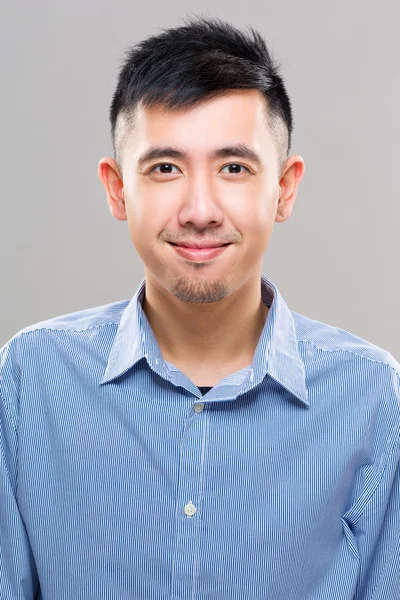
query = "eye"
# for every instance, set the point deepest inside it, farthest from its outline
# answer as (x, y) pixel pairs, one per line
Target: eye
(163, 172)
(236, 166)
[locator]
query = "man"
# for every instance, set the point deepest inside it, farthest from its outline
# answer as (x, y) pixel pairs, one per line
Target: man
(201, 440)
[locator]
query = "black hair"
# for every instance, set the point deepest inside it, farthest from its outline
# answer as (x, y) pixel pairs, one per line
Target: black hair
(203, 59)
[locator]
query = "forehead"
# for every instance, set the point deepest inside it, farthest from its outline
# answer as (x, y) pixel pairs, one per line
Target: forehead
(237, 116)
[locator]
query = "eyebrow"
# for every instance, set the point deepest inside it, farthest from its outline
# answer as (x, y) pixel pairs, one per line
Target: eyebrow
(240, 150)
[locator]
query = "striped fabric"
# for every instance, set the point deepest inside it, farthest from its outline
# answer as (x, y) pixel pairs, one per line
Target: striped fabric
(119, 480)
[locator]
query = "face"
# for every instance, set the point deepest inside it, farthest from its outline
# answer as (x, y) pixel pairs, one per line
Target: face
(197, 194)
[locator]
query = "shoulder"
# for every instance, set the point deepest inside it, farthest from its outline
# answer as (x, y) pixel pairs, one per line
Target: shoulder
(330, 339)
(353, 377)
(81, 320)
(90, 320)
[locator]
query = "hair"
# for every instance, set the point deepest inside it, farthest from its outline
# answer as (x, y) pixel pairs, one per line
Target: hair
(205, 58)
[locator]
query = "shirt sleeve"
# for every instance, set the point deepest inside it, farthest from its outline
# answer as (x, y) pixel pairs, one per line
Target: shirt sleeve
(378, 536)
(18, 575)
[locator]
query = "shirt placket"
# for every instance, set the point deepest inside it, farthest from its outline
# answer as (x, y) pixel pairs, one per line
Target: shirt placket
(188, 513)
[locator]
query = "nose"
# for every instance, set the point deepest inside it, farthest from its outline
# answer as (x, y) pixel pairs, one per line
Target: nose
(201, 204)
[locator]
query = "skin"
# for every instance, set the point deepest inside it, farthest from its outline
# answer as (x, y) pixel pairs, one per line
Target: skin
(207, 316)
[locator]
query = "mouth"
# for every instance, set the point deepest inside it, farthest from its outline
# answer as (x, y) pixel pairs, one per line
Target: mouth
(195, 254)
(205, 248)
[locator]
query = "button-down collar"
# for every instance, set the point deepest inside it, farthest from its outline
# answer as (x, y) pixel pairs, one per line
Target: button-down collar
(276, 353)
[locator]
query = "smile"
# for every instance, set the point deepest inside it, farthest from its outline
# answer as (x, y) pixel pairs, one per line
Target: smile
(199, 253)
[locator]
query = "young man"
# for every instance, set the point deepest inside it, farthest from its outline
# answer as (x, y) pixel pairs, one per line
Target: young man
(201, 440)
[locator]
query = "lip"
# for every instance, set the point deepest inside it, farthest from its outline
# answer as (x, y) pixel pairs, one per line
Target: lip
(199, 253)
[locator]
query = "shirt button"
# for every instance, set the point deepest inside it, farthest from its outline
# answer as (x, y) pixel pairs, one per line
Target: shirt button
(190, 509)
(198, 407)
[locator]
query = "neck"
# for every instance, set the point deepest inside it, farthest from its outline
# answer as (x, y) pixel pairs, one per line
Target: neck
(219, 333)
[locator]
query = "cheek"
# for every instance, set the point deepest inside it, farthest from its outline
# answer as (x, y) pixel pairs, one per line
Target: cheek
(257, 224)
(141, 213)
(145, 223)
(138, 224)
(264, 215)
(256, 217)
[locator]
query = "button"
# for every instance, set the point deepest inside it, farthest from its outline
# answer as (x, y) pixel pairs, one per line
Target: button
(198, 407)
(190, 509)
(157, 361)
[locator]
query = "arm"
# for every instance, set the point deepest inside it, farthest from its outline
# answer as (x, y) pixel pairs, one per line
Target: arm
(378, 535)
(18, 576)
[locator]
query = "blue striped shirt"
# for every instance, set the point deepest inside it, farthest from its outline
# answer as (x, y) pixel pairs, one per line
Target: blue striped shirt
(119, 480)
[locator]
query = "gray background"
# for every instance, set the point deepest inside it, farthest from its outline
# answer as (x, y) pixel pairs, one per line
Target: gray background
(334, 260)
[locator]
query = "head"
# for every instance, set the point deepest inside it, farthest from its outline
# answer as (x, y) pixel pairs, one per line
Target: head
(201, 126)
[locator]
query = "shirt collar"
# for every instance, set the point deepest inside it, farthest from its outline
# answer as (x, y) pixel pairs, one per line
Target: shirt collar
(276, 353)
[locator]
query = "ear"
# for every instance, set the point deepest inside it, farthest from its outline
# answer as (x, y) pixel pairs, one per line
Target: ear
(111, 178)
(292, 174)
